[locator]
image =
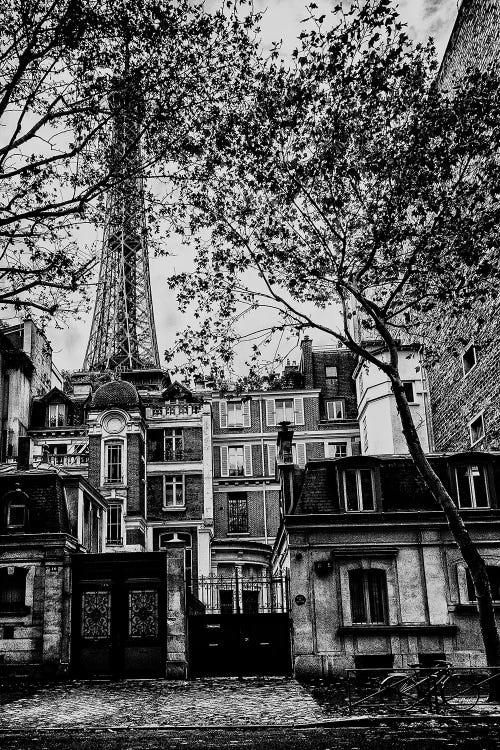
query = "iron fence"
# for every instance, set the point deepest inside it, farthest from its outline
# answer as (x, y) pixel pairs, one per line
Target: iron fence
(241, 594)
(418, 690)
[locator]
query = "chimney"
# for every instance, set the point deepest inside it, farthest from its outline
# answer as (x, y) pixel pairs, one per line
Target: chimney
(307, 362)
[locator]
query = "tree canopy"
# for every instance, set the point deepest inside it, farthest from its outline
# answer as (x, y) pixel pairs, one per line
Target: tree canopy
(348, 177)
(344, 176)
(67, 68)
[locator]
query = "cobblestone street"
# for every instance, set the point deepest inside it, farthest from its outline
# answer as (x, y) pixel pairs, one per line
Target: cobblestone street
(151, 703)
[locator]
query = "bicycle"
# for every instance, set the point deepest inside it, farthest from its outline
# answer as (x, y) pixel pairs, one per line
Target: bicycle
(440, 684)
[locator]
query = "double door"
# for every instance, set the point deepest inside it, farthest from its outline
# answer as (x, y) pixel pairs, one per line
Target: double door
(118, 624)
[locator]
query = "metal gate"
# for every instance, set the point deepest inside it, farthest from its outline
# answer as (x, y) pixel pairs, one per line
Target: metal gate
(239, 626)
(119, 615)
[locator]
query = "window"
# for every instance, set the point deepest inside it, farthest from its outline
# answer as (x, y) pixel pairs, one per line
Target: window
(368, 592)
(335, 409)
(409, 391)
(114, 471)
(250, 602)
(17, 514)
(57, 415)
(114, 525)
(12, 590)
(472, 488)
(358, 489)
(493, 572)
(236, 459)
(237, 513)
(476, 429)
(284, 410)
(336, 450)
(469, 359)
(331, 376)
(174, 445)
(226, 598)
(174, 491)
(235, 414)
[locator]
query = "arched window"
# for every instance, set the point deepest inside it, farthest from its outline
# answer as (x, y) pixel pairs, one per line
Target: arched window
(174, 538)
(12, 590)
(15, 509)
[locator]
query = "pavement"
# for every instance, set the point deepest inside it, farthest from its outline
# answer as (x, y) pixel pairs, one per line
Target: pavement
(214, 704)
(221, 702)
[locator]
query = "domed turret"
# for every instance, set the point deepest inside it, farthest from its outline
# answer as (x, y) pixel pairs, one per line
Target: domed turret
(116, 393)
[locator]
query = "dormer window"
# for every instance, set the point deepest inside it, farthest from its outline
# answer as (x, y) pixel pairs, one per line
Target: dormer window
(471, 486)
(359, 491)
(331, 376)
(57, 415)
(17, 514)
(469, 359)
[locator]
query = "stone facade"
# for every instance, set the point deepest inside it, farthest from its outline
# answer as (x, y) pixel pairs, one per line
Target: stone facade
(384, 585)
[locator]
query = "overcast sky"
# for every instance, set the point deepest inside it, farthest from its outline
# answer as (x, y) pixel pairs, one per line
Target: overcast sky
(281, 21)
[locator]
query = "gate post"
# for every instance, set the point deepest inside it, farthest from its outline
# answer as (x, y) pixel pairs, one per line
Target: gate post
(176, 663)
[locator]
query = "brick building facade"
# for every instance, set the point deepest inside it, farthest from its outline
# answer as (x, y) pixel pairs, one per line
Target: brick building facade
(465, 381)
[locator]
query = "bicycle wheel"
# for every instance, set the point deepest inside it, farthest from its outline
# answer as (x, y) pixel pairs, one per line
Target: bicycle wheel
(459, 694)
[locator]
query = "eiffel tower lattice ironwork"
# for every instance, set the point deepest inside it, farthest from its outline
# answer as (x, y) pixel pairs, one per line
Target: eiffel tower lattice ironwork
(123, 332)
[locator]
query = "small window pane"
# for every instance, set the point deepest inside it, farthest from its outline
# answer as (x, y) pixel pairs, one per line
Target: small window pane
(16, 517)
(337, 450)
(409, 391)
(377, 589)
(366, 489)
(479, 486)
(463, 487)
(351, 490)
(357, 595)
(236, 461)
(477, 429)
(469, 359)
(235, 414)
(114, 462)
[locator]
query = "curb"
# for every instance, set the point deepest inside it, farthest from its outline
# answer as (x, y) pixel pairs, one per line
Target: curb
(348, 721)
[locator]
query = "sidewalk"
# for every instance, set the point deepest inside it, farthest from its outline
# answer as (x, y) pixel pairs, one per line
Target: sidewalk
(156, 703)
(211, 703)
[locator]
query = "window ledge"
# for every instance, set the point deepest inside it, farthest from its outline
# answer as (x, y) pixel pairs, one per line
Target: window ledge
(360, 629)
(18, 612)
(238, 533)
(173, 507)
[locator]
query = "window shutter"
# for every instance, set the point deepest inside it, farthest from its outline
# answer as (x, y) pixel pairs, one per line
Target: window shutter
(224, 464)
(271, 413)
(301, 455)
(223, 413)
(298, 407)
(248, 460)
(271, 459)
(246, 414)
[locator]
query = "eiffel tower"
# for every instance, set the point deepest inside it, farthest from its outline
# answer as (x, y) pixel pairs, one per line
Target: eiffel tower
(122, 335)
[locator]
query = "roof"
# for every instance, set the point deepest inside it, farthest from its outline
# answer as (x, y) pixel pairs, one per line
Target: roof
(117, 393)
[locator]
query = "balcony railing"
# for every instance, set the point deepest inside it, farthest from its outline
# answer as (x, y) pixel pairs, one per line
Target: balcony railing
(173, 410)
(69, 459)
(227, 595)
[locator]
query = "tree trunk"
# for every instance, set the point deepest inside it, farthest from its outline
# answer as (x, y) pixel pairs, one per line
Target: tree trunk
(468, 548)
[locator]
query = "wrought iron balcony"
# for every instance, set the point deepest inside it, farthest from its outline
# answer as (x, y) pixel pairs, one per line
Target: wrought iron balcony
(173, 411)
(68, 459)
